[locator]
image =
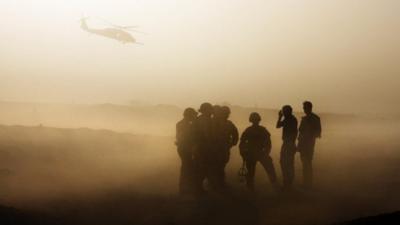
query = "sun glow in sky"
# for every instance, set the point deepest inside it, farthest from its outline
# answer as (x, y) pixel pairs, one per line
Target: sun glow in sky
(343, 55)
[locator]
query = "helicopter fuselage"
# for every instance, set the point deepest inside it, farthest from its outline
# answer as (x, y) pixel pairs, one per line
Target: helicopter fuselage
(113, 33)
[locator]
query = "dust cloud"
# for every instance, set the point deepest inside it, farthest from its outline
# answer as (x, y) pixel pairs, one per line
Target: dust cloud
(73, 151)
(112, 163)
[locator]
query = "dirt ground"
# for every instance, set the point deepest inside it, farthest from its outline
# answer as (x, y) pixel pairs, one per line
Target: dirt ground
(84, 176)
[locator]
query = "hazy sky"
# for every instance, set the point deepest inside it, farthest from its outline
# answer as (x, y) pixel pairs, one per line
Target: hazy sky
(344, 55)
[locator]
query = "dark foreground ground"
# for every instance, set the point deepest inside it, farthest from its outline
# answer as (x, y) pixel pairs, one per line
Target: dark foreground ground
(85, 177)
(210, 210)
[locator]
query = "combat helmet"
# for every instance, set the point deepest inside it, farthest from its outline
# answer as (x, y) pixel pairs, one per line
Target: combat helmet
(206, 108)
(254, 117)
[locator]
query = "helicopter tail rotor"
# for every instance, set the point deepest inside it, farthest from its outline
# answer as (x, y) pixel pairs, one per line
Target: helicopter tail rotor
(83, 23)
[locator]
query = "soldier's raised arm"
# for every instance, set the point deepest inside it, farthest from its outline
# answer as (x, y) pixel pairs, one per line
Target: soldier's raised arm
(280, 122)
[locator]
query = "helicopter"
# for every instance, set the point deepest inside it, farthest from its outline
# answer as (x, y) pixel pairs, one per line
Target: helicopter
(115, 32)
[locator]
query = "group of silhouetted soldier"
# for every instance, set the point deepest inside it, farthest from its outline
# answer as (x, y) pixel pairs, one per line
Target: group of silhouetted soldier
(204, 142)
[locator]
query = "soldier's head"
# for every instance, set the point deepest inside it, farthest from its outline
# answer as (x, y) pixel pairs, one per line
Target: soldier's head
(217, 112)
(189, 114)
(225, 112)
(206, 109)
(287, 110)
(307, 107)
(254, 118)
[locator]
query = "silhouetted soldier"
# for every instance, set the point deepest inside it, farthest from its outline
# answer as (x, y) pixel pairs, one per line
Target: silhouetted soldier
(255, 146)
(309, 130)
(204, 157)
(217, 112)
(288, 150)
(185, 142)
(226, 136)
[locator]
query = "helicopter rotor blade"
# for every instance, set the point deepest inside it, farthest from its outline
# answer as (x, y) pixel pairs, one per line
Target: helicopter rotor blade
(117, 26)
(128, 27)
(111, 24)
(107, 22)
(136, 31)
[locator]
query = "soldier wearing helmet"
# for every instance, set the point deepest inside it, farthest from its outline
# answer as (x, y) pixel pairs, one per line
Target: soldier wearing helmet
(203, 155)
(226, 136)
(288, 122)
(255, 146)
(217, 112)
(185, 142)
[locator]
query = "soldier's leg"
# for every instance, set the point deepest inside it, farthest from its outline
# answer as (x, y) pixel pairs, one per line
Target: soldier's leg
(306, 155)
(290, 155)
(287, 163)
(186, 175)
(307, 168)
(212, 174)
(268, 165)
(199, 175)
(283, 162)
(220, 176)
(251, 170)
(222, 164)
